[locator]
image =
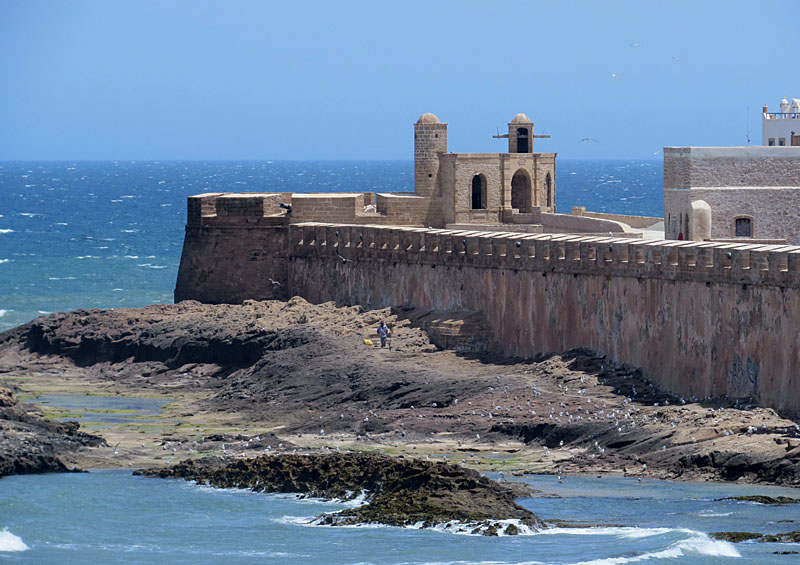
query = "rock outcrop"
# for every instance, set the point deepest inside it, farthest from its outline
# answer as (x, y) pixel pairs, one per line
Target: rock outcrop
(31, 444)
(399, 491)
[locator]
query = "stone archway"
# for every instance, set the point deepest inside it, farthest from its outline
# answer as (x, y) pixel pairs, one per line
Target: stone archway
(521, 191)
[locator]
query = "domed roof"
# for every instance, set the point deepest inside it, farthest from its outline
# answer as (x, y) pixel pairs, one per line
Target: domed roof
(521, 119)
(428, 118)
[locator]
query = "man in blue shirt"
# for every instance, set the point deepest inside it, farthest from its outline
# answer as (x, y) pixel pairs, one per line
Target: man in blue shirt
(384, 332)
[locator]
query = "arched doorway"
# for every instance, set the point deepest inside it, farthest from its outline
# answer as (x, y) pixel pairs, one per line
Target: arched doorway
(548, 185)
(479, 192)
(521, 191)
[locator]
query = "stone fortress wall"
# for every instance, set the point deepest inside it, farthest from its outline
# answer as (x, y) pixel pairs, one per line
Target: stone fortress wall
(701, 318)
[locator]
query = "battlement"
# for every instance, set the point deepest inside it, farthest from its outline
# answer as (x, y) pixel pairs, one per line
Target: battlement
(731, 263)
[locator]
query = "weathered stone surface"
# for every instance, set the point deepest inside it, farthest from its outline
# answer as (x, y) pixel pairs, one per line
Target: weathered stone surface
(400, 491)
(30, 444)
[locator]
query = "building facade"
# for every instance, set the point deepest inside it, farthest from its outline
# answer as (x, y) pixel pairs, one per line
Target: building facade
(740, 193)
(781, 129)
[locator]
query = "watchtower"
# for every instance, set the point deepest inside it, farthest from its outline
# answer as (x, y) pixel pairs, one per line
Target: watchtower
(430, 140)
(520, 134)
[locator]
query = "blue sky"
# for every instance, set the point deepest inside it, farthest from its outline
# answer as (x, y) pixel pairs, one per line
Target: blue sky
(143, 79)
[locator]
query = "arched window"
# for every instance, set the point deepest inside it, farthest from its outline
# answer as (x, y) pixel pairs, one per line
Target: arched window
(548, 187)
(522, 140)
(521, 191)
(744, 227)
(479, 192)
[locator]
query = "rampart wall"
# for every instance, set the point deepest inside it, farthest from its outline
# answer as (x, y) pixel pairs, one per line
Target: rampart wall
(701, 319)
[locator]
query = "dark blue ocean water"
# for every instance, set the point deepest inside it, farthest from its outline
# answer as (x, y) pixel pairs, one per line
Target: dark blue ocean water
(109, 234)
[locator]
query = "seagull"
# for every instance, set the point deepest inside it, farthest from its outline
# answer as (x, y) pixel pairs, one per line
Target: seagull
(274, 282)
(588, 139)
(115, 448)
(344, 259)
(634, 45)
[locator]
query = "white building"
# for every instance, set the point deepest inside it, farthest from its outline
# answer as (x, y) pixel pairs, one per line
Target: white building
(777, 128)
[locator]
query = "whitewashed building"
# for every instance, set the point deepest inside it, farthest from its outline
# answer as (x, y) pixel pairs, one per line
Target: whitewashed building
(779, 129)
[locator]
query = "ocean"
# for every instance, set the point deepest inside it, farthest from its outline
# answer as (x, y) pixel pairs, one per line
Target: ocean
(109, 234)
(114, 517)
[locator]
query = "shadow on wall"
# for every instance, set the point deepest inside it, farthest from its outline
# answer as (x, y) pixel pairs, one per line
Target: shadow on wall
(461, 331)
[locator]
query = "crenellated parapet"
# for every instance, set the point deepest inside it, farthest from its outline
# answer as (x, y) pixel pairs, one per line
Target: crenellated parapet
(732, 263)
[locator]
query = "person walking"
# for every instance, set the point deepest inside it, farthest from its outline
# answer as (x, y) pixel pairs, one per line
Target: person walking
(384, 333)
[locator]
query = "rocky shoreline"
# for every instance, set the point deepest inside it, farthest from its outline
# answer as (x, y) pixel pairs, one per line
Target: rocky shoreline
(398, 491)
(261, 375)
(30, 444)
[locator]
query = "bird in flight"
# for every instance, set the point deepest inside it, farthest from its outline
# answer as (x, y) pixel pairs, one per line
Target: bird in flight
(344, 259)
(635, 44)
(588, 139)
(274, 282)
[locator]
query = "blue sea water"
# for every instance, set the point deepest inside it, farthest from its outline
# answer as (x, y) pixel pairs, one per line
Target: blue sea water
(109, 234)
(114, 517)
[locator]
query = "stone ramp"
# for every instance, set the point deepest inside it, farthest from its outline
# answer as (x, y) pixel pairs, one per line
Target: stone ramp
(465, 331)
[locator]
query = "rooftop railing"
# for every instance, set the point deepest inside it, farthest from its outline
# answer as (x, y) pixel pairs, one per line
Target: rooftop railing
(782, 115)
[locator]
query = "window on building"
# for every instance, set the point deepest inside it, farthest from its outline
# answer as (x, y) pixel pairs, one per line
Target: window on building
(782, 142)
(479, 192)
(744, 227)
(771, 141)
(548, 186)
(522, 140)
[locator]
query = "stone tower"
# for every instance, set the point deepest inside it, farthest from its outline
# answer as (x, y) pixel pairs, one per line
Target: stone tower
(430, 139)
(520, 134)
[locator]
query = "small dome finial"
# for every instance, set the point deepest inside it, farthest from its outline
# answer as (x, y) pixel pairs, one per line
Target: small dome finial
(521, 119)
(428, 118)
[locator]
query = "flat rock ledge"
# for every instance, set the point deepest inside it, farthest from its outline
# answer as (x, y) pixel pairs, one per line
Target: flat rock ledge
(399, 491)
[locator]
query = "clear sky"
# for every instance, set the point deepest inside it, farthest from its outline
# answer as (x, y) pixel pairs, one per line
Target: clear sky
(235, 79)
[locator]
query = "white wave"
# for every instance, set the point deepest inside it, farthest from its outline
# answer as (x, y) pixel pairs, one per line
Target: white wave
(151, 266)
(697, 544)
(131, 256)
(713, 514)
(61, 224)
(6, 230)
(4, 312)
(29, 214)
(4, 260)
(87, 257)
(43, 312)
(477, 528)
(30, 185)
(117, 289)
(10, 542)
(295, 520)
(129, 231)
(624, 532)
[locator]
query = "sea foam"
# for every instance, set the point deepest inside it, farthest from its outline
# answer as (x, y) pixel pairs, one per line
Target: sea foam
(697, 543)
(10, 542)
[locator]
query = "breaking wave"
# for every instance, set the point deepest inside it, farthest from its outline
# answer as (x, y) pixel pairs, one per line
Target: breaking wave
(10, 542)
